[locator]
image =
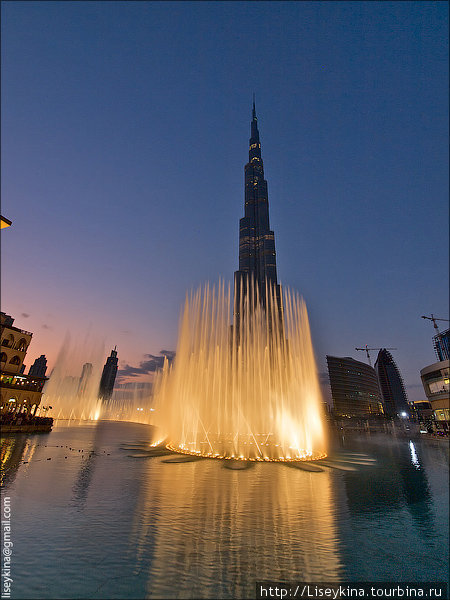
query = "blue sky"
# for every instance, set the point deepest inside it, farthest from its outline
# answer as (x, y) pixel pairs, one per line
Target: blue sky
(125, 131)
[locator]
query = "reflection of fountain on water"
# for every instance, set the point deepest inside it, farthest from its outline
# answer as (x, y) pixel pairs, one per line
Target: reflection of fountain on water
(256, 398)
(72, 390)
(215, 533)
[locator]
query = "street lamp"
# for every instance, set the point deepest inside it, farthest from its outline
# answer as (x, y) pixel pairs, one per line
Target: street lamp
(5, 222)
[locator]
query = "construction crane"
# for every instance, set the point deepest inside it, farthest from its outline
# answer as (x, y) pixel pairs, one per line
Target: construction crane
(366, 350)
(434, 319)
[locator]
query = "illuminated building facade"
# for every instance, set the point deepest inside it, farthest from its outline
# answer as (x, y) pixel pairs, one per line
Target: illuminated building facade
(395, 401)
(257, 258)
(19, 392)
(436, 381)
(354, 388)
(436, 384)
(108, 376)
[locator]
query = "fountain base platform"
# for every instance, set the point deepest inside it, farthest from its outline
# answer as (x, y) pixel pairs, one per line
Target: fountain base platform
(269, 455)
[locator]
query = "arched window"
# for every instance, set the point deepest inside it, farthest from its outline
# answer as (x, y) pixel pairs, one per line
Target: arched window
(3, 357)
(12, 403)
(8, 341)
(15, 360)
(22, 345)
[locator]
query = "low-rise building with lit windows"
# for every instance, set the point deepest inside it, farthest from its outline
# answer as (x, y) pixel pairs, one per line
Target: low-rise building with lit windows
(435, 380)
(19, 393)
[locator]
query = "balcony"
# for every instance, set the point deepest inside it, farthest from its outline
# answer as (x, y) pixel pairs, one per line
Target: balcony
(12, 383)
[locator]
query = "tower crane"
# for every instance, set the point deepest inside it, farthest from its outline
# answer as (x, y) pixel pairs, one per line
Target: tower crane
(434, 319)
(366, 350)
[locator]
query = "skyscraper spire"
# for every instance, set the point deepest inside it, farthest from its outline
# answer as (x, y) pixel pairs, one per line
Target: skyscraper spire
(257, 259)
(254, 137)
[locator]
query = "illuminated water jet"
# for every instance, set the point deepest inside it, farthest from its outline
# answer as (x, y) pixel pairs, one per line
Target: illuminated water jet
(72, 390)
(246, 393)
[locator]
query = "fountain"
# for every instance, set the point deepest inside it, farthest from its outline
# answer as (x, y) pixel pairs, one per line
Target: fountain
(129, 402)
(248, 392)
(72, 390)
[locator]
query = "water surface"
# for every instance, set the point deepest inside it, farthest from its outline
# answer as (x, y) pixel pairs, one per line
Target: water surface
(100, 519)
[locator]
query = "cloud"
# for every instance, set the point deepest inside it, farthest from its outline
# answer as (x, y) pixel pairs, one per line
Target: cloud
(24, 315)
(44, 326)
(150, 365)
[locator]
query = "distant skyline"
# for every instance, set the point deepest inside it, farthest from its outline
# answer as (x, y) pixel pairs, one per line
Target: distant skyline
(125, 130)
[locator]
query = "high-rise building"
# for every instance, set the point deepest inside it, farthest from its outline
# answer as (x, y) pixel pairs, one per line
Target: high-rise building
(108, 376)
(257, 259)
(354, 388)
(441, 343)
(39, 367)
(395, 401)
(83, 384)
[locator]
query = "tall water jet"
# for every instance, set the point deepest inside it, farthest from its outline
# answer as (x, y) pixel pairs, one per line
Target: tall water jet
(129, 402)
(250, 392)
(72, 390)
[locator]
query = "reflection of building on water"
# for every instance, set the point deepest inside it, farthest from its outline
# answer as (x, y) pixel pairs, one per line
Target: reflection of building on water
(401, 483)
(14, 450)
(218, 531)
(83, 481)
(129, 402)
(81, 486)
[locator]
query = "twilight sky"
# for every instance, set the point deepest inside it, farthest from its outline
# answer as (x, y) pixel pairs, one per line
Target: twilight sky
(125, 131)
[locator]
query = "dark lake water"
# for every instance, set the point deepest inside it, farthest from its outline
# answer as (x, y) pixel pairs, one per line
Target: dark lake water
(100, 521)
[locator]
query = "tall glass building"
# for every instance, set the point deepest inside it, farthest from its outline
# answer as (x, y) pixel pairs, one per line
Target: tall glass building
(441, 343)
(257, 257)
(392, 387)
(354, 388)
